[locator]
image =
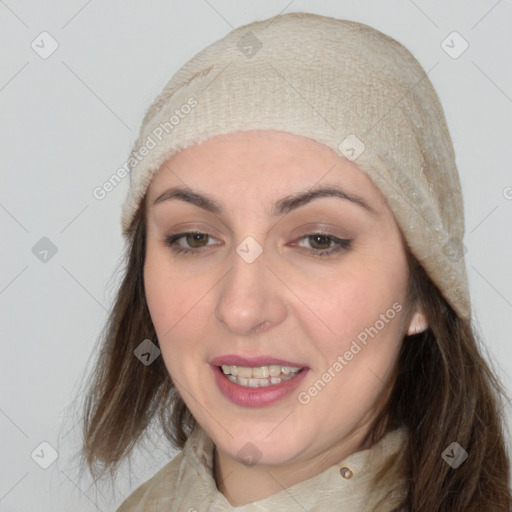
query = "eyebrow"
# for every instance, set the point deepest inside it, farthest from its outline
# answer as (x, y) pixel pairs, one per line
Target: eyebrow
(281, 207)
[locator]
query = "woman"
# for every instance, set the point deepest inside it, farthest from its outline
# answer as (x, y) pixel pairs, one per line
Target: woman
(295, 307)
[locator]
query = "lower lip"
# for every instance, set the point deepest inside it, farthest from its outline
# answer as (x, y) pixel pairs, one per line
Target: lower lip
(256, 397)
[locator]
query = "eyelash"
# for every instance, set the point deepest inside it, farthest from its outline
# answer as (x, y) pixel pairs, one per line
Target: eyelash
(342, 244)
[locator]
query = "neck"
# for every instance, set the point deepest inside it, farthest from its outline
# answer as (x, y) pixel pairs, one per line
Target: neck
(242, 484)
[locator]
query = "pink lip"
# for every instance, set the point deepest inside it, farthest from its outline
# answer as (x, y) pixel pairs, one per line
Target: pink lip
(255, 397)
(234, 360)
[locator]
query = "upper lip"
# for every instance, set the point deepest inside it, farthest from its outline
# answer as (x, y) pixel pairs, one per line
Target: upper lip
(235, 360)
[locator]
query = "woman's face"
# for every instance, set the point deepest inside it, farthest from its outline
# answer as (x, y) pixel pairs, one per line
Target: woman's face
(269, 282)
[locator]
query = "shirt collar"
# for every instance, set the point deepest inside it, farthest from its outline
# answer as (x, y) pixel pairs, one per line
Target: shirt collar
(347, 483)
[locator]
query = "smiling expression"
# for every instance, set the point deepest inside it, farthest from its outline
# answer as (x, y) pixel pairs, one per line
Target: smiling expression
(327, 262)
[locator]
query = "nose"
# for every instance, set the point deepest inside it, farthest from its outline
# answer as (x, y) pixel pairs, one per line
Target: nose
(251, 298)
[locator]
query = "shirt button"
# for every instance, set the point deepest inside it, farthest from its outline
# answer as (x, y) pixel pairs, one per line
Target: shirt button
(346, 473)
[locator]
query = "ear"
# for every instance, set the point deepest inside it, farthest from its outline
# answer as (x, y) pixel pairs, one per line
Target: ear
(418, 322)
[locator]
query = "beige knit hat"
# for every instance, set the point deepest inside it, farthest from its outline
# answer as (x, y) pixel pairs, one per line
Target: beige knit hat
(343, 84)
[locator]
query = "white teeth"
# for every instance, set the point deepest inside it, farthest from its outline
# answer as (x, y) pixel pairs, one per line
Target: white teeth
(274, 370)
(244, 371)
(260, 376)
(261, 372)
(258, 372)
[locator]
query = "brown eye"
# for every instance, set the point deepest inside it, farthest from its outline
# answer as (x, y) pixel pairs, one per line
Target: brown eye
(189, 242)
(196, 239)
(318, 241)
(320, 244)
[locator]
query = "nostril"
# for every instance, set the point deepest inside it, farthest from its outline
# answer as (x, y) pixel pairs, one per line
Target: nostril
(260, 327)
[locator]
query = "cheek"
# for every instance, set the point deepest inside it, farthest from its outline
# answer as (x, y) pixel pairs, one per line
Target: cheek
(167, 298)
(354, 303)
(356, 362)
(162, 295)
(178, 307)
(169, 295)
(363, 306)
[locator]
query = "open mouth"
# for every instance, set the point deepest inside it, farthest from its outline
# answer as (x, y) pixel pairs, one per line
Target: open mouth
(259, 376)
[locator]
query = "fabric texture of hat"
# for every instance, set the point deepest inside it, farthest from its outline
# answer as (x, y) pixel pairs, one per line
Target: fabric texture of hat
(343, 84)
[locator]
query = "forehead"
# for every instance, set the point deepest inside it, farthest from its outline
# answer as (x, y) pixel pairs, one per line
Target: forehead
(258, 163)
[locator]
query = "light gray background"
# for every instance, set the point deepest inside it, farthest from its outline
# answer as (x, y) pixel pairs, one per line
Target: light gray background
(69, 121)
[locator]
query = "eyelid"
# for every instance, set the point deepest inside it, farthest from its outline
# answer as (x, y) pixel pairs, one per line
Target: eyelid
(326, 228)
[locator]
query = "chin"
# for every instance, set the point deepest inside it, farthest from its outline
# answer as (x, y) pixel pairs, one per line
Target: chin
(252, 449)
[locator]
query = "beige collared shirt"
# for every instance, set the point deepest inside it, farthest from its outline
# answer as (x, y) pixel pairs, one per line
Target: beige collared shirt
(187, 483)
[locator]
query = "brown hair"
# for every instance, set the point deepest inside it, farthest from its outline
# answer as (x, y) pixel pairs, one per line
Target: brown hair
(444, 391)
